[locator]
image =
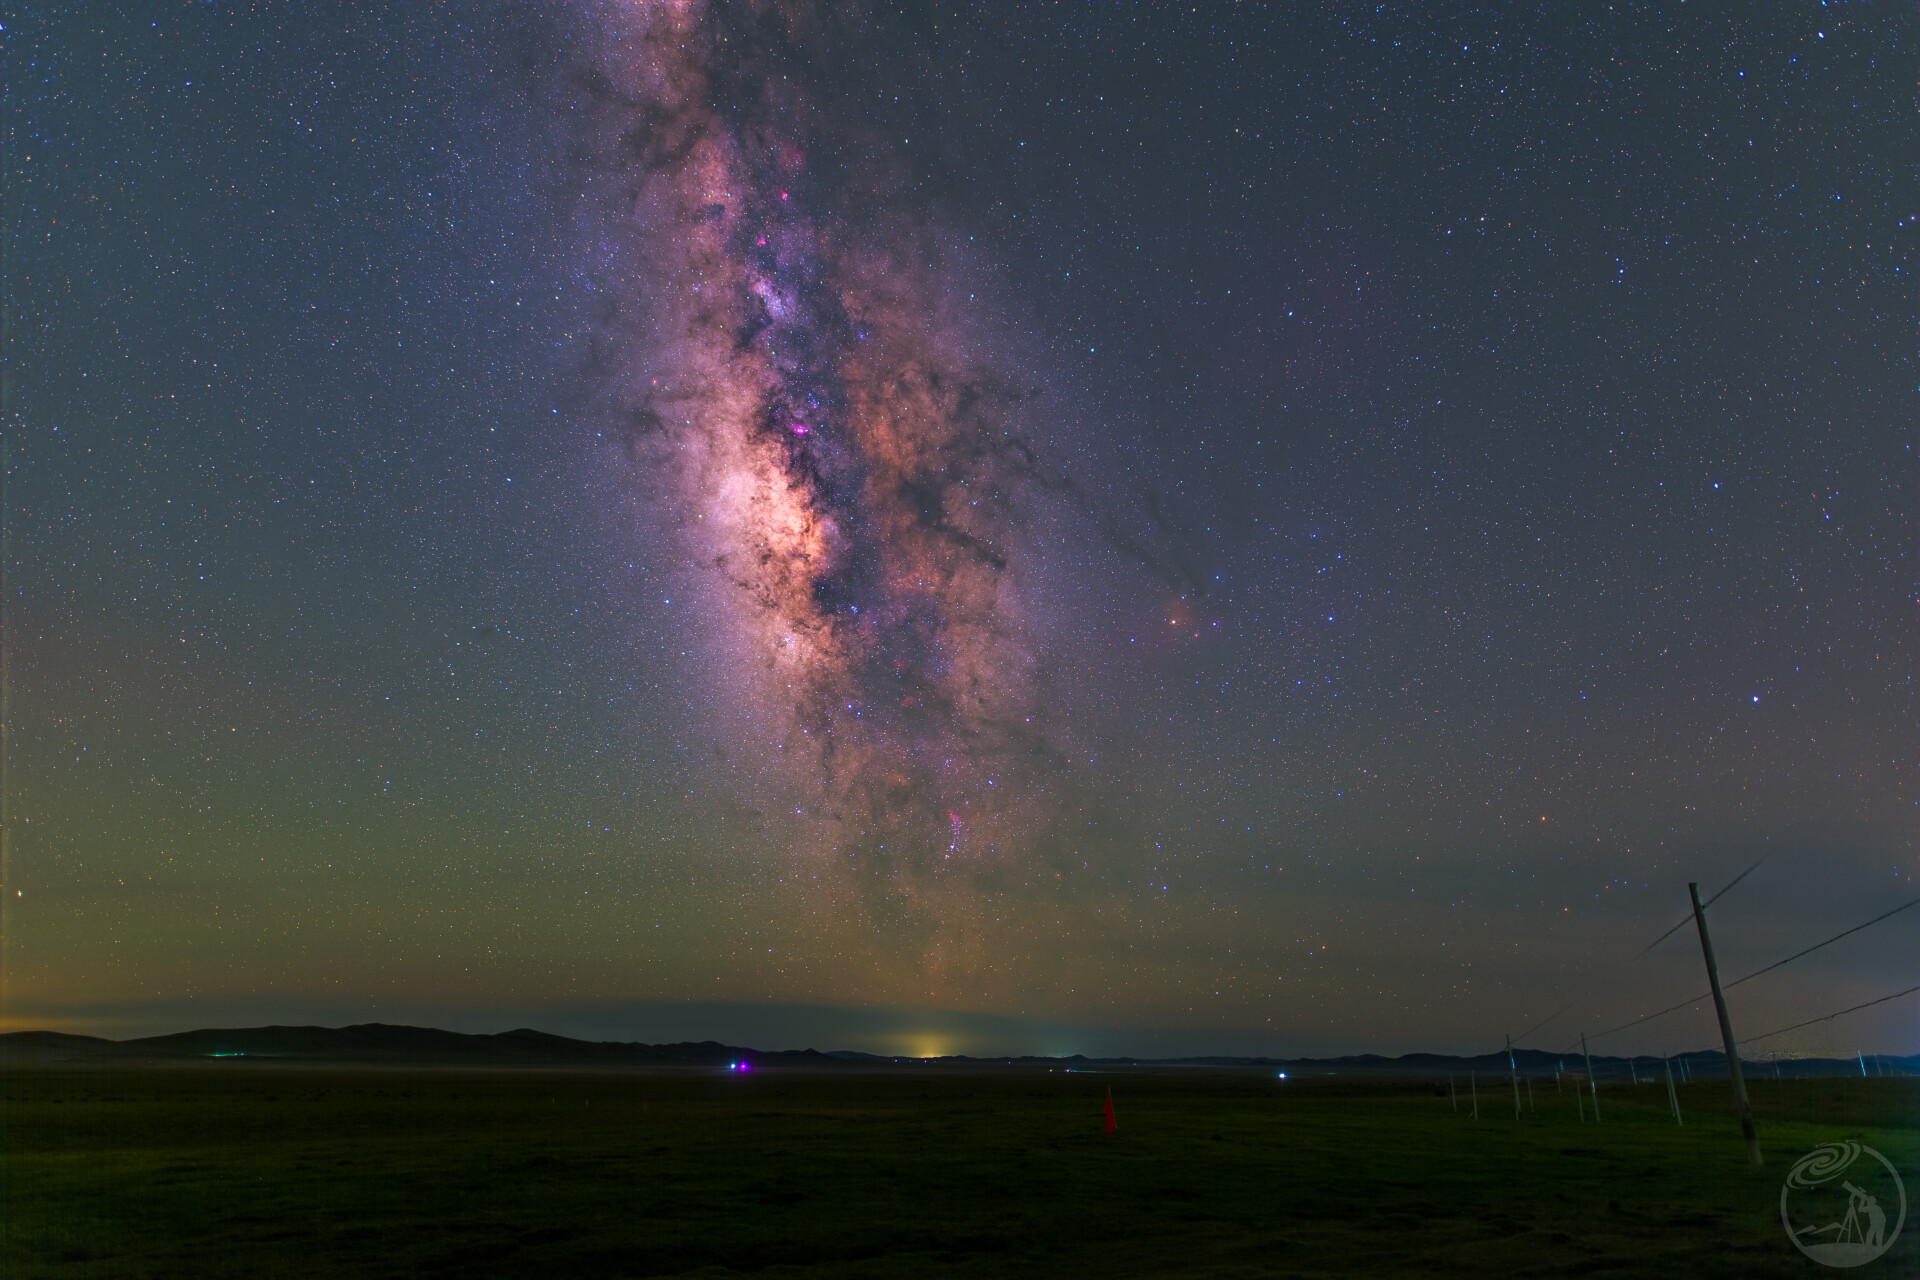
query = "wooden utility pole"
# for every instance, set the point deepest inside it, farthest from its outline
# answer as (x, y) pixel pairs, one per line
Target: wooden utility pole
(1514, 1068)
(1726, 1031)
(1673, 1097)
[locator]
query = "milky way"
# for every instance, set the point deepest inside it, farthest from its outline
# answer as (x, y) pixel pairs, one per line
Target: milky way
(805, 400)
(522, 505)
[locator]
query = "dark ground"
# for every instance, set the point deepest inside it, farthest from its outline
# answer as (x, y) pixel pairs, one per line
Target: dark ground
(241, 1168)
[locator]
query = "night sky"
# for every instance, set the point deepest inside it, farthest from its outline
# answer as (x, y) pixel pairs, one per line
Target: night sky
(1004, 528)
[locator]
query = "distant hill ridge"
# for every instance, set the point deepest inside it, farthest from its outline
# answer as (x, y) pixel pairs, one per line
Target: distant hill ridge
(379, 1042)
(383, 1042)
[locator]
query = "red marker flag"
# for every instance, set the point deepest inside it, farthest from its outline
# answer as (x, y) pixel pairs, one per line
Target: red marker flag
(1112, 1128)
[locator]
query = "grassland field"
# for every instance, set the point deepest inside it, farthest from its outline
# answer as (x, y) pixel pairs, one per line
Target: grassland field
(239, 1168)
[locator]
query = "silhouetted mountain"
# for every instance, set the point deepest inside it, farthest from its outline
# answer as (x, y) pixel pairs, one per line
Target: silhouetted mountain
(377, 1042)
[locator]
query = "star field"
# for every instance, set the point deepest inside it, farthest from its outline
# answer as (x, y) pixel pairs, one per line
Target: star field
(1104, 527)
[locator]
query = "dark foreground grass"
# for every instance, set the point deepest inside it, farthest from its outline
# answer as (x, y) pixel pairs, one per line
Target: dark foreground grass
(245, 1169)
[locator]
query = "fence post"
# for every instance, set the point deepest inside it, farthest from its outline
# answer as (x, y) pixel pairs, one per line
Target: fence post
(1592, 1084)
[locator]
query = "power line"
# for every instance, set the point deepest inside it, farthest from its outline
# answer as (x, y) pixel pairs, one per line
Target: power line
(1830, 1017)
(1650, 946)
(1688, 919)
(1756, 973)
(1816, 946)
(1544, 1021)
(1649, 1018)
